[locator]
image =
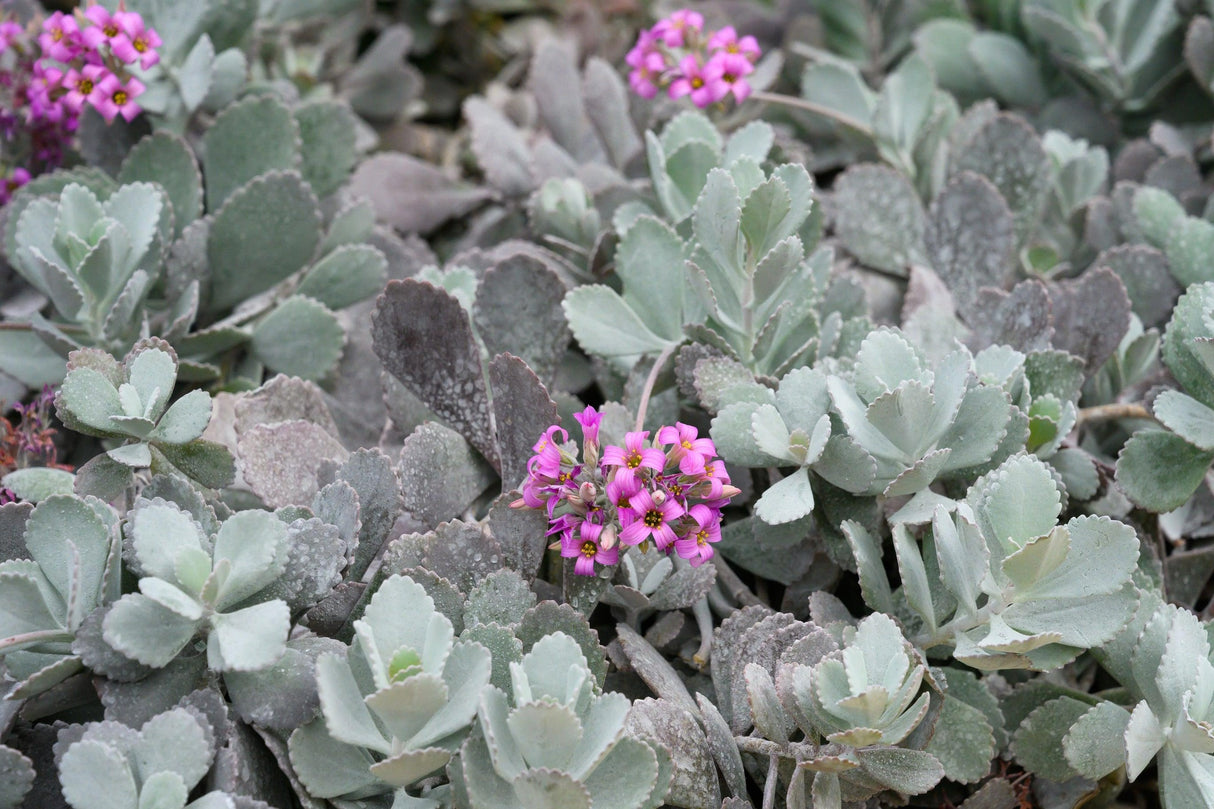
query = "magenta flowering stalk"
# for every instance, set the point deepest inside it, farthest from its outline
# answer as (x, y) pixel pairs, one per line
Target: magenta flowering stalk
(678, 55)
(668, 494)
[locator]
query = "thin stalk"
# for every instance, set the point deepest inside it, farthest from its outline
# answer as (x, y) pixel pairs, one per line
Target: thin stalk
(735, 587)
(15, 642)
(650, 381)
(703, 616)
(817, 109)
(1112, 412)
(769, 786)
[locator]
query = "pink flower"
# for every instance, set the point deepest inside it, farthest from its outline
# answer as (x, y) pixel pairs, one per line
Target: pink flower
(104, 28)
(19, 177)
(632, 457)
(673, 29)
(116, 97)
(727, 40)
(734, 68)
(652, 519)
(590, 419)
(648, 64)
(60, 38)
(696, 543)
(82, 86)
(703, 83)
(587, 549)
(9, 32)
(689, 450)
(137, 43)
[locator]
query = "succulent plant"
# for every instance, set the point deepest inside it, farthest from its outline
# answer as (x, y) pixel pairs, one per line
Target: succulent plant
(864, 699)
(911, 424)
(156, 253)
(130, 402)
(556, 740)
(1008, 587)
(220, 586)
(1161, 468)
(68, 564)
(397, 706)
(109, 764)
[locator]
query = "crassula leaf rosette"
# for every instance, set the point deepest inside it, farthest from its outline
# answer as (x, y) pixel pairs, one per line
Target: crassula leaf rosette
(113, 766)
(193, 584)
(396, 706)
(1000, 580)
(129, 403)
(845, 720)
(68, 567)
(668, 497)
(557, 741)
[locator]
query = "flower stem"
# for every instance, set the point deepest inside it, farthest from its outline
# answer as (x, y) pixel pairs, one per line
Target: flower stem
(1112, 412)
(650, 381)
(769, 786)
(736, 588)
(817, 109)
(703, 616)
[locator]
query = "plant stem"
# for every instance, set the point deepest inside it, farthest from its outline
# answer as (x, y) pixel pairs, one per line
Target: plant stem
(650, 381)
(703, 616)
(736, 588)
(1112, 412)
(769, 786)
(817, 109)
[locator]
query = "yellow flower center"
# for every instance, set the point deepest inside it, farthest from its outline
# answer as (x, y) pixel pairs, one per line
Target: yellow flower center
(653, 518)
(85, 86)
(141, 44)
(702, 537)
(111, 30)
(633, 460)
(120, 97)
(589, 549)
(697, 82)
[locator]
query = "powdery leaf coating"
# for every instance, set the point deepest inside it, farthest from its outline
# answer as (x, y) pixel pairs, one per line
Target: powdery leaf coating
(518, 310)
(283, 398)
(879, 218)
(1148, 283)
(520, 533)
(265, 231)
(522, 411)
(499, 148)
(560, 106)
(548, 617)
(1008, 152)
(423, 337)
(16, 777)
(502, 598)
(1090, 315)
(280, 461)
(412, 195)
(372, 477)
(461, 553)
(1020, 318)
(665, 723)
(440, 475)
(607, 108)
(654, 669)
(165, 158)
(283, 696)
(970, 237)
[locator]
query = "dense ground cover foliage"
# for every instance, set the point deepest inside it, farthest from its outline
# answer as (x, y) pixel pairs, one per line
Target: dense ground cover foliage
(482, 404)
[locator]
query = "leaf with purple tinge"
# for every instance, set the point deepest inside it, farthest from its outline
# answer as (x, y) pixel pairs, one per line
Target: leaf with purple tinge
(522, 411)
(424, 338)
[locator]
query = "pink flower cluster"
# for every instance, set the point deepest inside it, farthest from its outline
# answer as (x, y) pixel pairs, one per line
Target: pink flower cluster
(47, 76)
(679, 55)
(670, 493)
(86, 60)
